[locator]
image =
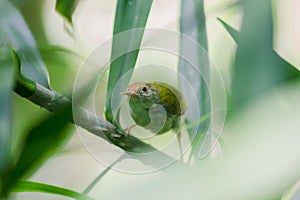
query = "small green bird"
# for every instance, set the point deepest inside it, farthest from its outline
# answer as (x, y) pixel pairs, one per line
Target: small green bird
(156, 106)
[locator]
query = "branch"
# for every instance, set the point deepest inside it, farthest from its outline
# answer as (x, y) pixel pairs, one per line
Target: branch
(53, 102)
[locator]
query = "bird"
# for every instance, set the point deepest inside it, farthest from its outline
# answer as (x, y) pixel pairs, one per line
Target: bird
(156, 106)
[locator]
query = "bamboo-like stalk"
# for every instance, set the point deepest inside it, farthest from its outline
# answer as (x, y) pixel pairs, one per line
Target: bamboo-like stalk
(53, 102)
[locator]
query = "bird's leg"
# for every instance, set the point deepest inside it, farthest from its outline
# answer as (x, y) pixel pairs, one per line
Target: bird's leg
(128, 129)
(179, 145)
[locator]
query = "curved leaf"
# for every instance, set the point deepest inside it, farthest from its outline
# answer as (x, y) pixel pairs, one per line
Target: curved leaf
(28, 186)
(130, 14)
(14, 30)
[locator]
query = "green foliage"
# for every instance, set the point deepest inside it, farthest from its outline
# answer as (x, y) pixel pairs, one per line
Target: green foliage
(65, 8)
(28, 186)
(130, 14)
(257, 67)
(8, 66)
(14, 30)
(39, 144)
(47, 136)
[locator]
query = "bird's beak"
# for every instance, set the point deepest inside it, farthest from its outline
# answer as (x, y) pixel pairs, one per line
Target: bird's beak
(129, 93)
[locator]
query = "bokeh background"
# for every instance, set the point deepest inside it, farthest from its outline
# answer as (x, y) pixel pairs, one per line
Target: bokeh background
(262, 140)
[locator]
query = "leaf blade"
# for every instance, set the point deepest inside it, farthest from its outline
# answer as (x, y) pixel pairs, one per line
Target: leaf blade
(130, 14)
(29, 186)
(8, 65)
(194, 74)
(13, 30)
(255, 57)
(40, 143)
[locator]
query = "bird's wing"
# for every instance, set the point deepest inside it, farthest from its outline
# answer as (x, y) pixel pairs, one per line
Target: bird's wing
(171, 99)
(158, 116)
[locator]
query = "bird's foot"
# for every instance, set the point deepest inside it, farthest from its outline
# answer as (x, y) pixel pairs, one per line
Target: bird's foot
(128, 129)
(179, 145)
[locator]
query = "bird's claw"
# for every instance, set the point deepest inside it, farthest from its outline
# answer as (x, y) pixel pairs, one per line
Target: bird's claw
(128, 129)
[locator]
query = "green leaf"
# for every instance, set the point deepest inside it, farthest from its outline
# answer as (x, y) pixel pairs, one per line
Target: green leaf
(130, 14)
(193, 65)
(40, 143)
(65, 8)
(13, 30)
(257, 68)
(233, 33)
(28, 186)
(8, 66)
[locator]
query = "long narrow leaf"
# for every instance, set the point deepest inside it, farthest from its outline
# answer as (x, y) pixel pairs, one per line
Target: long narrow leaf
(130, 14)
(257, 67)
(40, 143)
(8, 65)
(194, 64)
(28, 186)
(14, 30)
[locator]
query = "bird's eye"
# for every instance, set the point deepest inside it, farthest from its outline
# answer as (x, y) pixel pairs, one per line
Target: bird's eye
(144, 89)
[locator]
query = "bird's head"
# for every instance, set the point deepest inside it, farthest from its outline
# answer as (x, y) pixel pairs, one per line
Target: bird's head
(142, 93)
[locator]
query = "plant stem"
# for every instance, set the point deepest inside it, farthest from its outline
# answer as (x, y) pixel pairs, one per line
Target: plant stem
(53, 101)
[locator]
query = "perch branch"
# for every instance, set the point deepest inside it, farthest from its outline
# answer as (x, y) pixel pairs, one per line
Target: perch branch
(53, 102)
